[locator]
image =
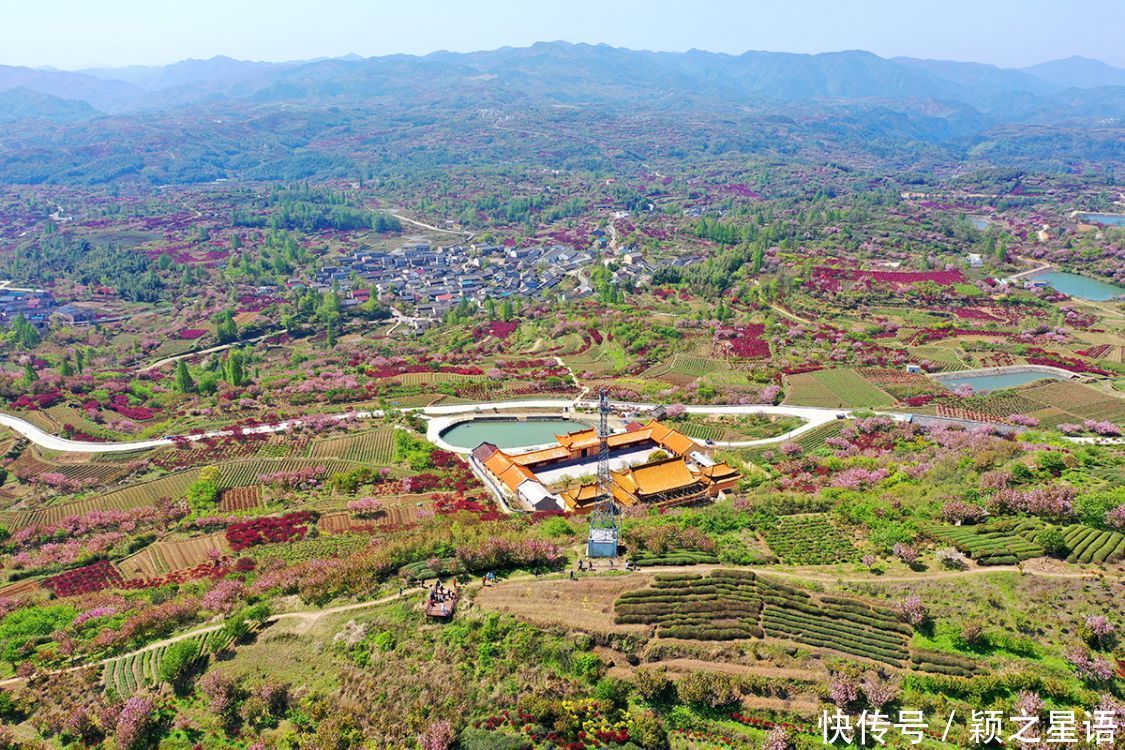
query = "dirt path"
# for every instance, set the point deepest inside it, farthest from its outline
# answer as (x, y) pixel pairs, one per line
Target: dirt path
(790, 315)
(306, 619)
(200, 352)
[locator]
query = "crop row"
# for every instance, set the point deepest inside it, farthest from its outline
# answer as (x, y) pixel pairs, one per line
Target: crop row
(809, 540)
(986, 545)
(127, 674)
(701, 431)
(245, 473)
(940, 662)
(1090, 545)
(375, 447)
(737, 604)
(677, 557)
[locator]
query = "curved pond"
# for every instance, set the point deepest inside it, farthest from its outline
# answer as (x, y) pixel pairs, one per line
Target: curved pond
(1112, 220)
(506, 433)
(987, 382)
(1082, 287)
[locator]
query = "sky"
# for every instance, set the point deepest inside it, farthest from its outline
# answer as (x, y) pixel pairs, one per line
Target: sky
(75, 34)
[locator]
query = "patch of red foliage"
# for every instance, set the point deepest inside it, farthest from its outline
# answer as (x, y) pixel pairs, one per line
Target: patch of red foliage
(1052, 359)
(829, 279)
(191, 334)
(85, 580)
(747, 342)
(270, 529)
(500, 329)
(32, 402)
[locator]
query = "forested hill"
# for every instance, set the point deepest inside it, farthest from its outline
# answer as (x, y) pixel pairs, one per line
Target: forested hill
(228, 118)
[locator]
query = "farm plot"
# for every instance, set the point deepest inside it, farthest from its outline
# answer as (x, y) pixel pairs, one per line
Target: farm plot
(1090, 545)
(835, 389)
(376, 447)
(168, 556)
(815, 438)
(1080, 400)
(901, 384)
(432, 378)
(724, 606)
(848, 625)
(945, 357)
(134, 496)
(128, 674)
(246, 473)
(992, 544)
(240, 498)
(810, 539)
(737, 604)
(318, 548)
(701, 430)
(999, 405)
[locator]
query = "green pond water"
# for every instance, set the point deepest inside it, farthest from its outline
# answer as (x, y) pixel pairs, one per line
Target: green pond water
(508, 434)
(1082, 287)
(1113, 220)
(998, 381)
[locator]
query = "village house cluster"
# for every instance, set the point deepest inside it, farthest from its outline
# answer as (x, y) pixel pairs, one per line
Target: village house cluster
(432, 280)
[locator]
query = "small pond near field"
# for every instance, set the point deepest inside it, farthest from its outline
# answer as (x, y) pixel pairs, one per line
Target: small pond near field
(1082, 287)
(1112, 220)
(988, 382)
(505, 433)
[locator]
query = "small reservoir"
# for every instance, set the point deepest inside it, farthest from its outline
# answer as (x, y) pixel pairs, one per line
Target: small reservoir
(1109, 220)
(995, 381)
(509, 433)
(1082, 287)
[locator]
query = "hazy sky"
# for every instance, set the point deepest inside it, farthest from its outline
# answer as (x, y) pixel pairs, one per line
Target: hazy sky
(82, 33)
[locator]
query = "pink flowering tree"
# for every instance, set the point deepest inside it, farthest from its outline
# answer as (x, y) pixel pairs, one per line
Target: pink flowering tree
(843, 690)
(879, 690)
(134, 723)
(437, 736)
(907, 553)
(778, 738)
(911, 610)
(1115, 519)
(1090, 667)
(1099, 631)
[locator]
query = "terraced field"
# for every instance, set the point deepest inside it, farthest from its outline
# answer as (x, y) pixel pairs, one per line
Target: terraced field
(816, 437)
(246, 472)
(837, 388)
(128, 674)
(701, 431)
(240, 498)
(133, 496)
(1080, 400)
(375, 447)
(1090, 545)
(167, 556)
(809, 539)
(947, 358)
(992, 544)
(848, 625)
(736, 604)
(430, 378)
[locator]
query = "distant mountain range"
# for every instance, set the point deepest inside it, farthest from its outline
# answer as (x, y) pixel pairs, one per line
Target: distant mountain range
(580, 74)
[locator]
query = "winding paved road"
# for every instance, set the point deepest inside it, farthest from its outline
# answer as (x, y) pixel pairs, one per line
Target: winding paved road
(440, 419)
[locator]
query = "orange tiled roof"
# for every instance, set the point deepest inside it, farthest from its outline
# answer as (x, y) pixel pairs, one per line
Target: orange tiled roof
(719, 471)
(507, 470)
(543, 454)
(670, 439)
(581, 497)
(660, 476)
